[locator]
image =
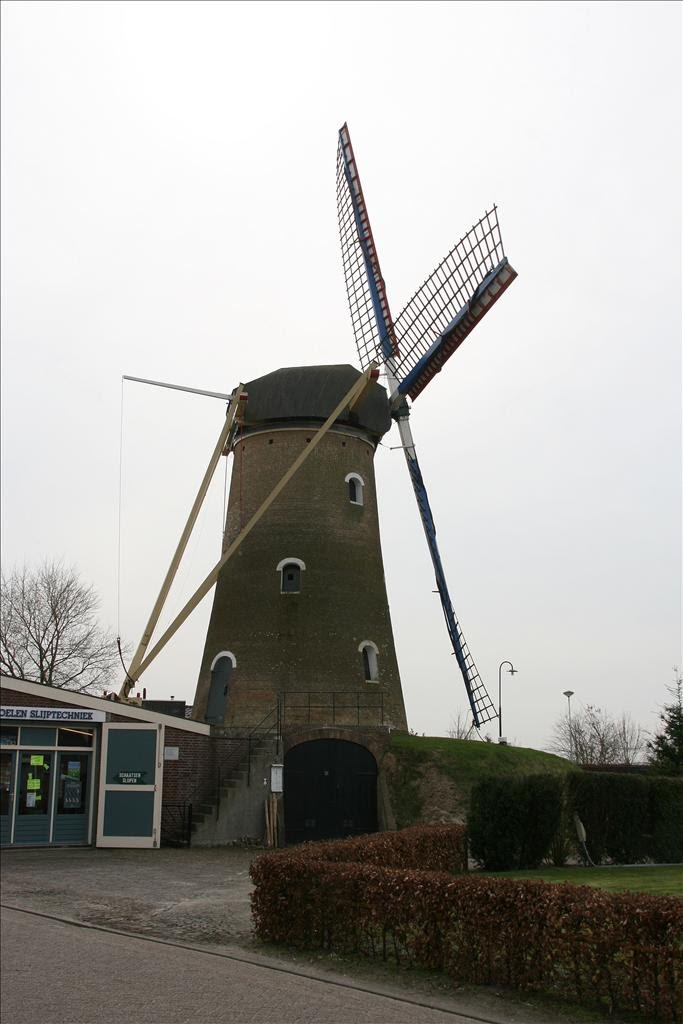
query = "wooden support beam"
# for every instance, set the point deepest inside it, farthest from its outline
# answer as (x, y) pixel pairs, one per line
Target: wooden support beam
(205, 587)
(361, 394)
(133, 671)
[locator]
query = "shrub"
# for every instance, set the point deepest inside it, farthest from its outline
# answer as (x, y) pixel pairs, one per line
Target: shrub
(615, 811)
(626, 841)
(434, 847)
(589, 798)
(541, 802)
(623, 952)
(513, 820)
(666, 819)
(493, 823)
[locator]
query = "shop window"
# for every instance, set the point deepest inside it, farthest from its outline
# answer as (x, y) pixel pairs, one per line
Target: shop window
(369, 652)
(32, 736)
(74, 737)
(34, 784)
(290, 575)
(9, 734)
(73, 783)
(355, 486)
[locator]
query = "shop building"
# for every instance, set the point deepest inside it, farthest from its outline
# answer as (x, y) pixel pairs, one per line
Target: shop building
(81, 770)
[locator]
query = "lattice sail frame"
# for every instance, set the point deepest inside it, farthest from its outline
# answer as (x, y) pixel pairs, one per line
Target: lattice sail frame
(365, 290)
(450, 303)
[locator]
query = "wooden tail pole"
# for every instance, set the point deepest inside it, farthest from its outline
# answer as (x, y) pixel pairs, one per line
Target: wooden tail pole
(133, 672)
(205, 587)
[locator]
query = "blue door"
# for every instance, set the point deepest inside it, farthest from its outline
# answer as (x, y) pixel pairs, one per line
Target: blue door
(130, 793)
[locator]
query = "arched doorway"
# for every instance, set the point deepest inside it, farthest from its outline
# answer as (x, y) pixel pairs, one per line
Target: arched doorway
(221, 670)
(330, 790)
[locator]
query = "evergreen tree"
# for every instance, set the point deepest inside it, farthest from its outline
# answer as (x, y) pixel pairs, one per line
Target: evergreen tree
(666, 750)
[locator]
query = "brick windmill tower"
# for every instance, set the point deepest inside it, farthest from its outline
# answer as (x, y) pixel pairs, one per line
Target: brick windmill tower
(300, 613)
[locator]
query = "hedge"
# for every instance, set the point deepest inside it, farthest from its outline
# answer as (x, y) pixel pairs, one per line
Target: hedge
(438, 847)
(622, 952)
(614, 810)
(513, 820)
(516, 822)
(666, 819)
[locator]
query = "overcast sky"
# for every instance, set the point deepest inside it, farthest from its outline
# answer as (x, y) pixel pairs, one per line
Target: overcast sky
(169, 212)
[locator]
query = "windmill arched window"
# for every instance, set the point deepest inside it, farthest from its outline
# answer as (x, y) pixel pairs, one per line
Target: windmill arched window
(356, 486)
(369, 651)
(290, 570)
(222, 668)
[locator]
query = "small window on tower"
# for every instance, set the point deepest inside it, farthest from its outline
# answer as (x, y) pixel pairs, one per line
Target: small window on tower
(291, 579)
(369, 652)
(355, 484)
(290, 575)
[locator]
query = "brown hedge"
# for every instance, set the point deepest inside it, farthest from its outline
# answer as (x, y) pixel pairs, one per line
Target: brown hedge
(436, 847)
(623, 952)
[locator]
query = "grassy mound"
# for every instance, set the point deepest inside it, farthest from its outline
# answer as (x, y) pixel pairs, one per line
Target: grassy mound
(430, 777)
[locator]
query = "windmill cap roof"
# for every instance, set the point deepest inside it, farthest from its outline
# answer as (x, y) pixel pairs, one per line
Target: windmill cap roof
(311, 393)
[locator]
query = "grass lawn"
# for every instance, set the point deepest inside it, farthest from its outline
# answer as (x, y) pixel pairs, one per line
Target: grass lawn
(667, 881)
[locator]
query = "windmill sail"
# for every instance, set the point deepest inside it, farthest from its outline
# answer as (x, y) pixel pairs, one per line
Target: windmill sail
(483, 709)
(365, 290)
(450, 303)
(376, 338)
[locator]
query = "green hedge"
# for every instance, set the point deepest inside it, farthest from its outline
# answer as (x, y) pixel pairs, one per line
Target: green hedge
(622, 952)
(615, 812)
(516, 822)
(513, 820)
(666, 819)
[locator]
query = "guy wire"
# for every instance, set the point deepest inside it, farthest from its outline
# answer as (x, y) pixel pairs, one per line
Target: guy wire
(118, 568)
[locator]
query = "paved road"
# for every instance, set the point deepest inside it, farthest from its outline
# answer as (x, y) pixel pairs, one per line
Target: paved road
(59, 973)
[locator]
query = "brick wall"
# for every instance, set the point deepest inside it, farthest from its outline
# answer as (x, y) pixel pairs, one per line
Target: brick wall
(305, 641)
(14, 699)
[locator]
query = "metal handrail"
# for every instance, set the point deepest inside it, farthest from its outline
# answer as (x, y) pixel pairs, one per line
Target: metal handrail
(332, 701)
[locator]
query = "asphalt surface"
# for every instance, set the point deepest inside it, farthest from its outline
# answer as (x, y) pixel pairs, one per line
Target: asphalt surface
(160, 936)
(67, 974)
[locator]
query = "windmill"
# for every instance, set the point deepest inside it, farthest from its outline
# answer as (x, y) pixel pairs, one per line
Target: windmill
(282, 419)
(415, 346)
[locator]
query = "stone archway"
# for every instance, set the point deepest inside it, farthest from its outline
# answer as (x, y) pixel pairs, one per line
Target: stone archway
(330, 790)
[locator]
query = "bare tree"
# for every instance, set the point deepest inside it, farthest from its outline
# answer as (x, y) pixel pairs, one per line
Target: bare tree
(591, 736)
(631, 742)
(461, 726)
(49, 632)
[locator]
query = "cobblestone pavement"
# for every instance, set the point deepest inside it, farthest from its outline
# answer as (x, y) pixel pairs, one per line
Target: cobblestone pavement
(197, 896)
(200, 897)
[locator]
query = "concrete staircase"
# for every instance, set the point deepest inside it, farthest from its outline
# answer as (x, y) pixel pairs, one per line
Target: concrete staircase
(237, 811)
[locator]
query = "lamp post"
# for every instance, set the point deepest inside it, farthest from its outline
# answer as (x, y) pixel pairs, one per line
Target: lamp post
(569, 694)
(512, 671)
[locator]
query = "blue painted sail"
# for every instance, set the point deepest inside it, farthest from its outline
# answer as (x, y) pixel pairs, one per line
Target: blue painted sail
(482, 707)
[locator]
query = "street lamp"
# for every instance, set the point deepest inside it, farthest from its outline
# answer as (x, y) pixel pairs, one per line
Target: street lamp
(512, 671)
(569, 694)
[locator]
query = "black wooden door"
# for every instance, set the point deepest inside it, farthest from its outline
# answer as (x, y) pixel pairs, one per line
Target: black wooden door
(330, 790)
